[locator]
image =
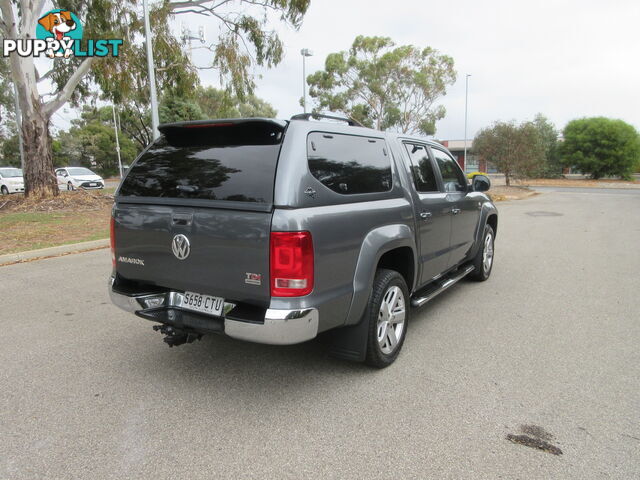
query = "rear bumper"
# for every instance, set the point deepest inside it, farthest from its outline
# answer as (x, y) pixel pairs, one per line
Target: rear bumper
(277, 327)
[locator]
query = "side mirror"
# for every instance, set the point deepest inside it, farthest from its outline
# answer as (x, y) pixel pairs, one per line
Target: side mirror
(480, 183)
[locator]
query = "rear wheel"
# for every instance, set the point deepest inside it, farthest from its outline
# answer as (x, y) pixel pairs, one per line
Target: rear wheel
(388, 317)
(5, 190)
(483, 261)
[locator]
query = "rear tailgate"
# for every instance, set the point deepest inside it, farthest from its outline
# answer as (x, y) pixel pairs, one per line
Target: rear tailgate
(209, 185)
(225, 246)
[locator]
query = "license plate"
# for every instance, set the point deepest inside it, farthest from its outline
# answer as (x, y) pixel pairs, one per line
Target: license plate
(203, 303)
(93, 184)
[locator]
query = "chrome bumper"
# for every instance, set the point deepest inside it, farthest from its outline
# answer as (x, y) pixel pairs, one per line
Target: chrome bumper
(280, 327)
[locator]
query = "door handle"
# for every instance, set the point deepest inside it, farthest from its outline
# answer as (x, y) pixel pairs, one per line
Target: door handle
(455, 211)
(182, 219)
(425, 215)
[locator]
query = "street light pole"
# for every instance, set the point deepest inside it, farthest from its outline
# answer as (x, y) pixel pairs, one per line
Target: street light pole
(305, 52)
(152, 73)
(115, 126)
(466, 101)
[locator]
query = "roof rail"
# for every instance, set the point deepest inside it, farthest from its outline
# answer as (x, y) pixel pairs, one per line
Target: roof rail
(309, 116)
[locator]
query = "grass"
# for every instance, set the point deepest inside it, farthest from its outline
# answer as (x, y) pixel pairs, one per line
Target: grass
(25, 225)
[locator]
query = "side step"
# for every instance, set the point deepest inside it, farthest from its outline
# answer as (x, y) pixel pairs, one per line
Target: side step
(440, 286)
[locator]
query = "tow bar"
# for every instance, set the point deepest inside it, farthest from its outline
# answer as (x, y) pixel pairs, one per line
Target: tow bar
(174, 337)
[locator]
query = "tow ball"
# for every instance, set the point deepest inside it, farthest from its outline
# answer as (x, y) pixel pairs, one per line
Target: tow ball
(174, 337)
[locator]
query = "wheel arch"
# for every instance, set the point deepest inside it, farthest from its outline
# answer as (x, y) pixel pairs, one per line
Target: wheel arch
(390, 246)
(488, 216)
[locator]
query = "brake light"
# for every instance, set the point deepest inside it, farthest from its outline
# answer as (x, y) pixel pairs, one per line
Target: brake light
(112, 236)
(209, 125)
(291, 264)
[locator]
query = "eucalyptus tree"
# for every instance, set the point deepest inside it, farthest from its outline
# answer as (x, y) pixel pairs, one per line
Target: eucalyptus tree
(246, 38)
(385, 86)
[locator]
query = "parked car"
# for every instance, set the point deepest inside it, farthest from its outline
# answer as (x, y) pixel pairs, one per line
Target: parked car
(275, 231)
(78, 177)
(11, 180)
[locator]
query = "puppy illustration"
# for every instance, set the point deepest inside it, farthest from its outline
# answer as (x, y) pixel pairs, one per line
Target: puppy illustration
(58, 24)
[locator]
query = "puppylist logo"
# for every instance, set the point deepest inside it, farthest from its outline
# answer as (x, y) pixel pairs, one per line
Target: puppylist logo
(59, 34)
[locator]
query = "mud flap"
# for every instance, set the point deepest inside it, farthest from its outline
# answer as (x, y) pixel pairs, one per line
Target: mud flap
(350, 343)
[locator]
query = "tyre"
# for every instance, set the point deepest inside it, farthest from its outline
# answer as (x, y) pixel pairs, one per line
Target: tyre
(5, 190)
(483, 261)
(388, 317)
(70, 186)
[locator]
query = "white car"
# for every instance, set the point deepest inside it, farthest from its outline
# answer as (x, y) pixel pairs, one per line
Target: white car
(11, 180)
(78, 177)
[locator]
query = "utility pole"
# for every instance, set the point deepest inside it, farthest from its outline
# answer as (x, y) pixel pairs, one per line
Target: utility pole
(466, 100)
(152, 72)
(305, 52)
(19, 123)
(115, 126)
(187, 37)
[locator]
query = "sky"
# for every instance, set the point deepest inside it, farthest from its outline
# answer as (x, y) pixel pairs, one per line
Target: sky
(565, 59)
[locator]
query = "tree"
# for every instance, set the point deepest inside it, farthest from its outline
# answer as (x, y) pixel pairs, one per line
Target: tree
(90, 142)
(10, 149)
(516, 150)
(245, 39)
(8, 154)
(550, 167)
(217, 103)
(601, 147)
(173, 109)
(6, 97)
(385, 86)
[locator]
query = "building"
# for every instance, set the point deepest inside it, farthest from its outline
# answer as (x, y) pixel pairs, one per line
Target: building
(473, 163)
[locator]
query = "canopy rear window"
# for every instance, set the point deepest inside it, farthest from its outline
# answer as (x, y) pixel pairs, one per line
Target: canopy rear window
(221, 160)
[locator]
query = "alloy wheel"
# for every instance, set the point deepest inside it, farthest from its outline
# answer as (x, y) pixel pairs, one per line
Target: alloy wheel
(391, 320)
(487, 254)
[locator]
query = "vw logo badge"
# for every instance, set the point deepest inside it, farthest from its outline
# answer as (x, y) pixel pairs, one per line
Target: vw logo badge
(180, 246)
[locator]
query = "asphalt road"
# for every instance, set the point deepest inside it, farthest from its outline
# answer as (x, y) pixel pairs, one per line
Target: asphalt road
(551, 340)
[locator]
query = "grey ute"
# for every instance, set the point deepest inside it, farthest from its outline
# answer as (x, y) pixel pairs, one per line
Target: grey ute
(276, 231)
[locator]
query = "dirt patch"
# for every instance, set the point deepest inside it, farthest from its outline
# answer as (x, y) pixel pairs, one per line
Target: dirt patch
(574, 182)
(30, 224)
(501, 193)
(76, 201)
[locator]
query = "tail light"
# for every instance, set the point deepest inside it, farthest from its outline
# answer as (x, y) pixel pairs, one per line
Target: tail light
(112, 236)
(291, 264)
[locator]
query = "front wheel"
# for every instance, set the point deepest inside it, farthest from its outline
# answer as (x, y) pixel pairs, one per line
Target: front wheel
(483, 261)
(388, 317)
(5, 190)
(70, 186)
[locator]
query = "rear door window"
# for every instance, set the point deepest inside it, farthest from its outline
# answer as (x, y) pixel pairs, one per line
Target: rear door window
(225, 161)
(422, 169)
(349, 164)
